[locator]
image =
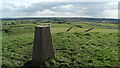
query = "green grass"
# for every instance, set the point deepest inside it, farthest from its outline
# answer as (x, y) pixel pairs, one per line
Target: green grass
(77, 49)
(98, 47)
(84, 49)
(16, 49)
(0, 48)
(105, 24)
(108, 24)
(87, 26)
(56, 30)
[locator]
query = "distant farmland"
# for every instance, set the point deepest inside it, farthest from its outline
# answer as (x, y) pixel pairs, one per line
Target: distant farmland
(76, 47)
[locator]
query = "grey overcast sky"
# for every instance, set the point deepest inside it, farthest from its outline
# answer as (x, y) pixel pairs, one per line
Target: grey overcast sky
(59, 8)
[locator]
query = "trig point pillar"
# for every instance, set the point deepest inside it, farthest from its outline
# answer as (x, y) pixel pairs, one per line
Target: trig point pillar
(42, 49)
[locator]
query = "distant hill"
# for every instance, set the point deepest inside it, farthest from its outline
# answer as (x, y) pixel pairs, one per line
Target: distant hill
(94, 20)
(61, 18)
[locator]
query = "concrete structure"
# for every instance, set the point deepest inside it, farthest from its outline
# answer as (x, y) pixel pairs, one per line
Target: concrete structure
(42, 49)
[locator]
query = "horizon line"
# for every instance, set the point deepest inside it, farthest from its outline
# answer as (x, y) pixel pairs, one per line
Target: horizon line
(58, 17)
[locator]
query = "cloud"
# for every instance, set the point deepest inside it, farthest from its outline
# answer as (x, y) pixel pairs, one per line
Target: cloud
(15, 4)
(81, 9)
(68, 6)
(40, 6)
(113, 3)
(12, 6)
(111, 13)
(64, 8)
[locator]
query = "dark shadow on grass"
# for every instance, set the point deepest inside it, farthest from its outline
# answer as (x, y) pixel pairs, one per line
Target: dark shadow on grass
(30, 64)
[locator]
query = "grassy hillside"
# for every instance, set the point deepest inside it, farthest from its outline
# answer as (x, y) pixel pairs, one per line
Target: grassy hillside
(98, 47)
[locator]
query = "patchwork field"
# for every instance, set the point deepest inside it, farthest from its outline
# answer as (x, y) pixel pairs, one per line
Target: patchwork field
(77, 47)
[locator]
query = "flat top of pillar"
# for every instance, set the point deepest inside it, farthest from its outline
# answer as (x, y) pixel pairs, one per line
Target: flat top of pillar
(42, 26)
